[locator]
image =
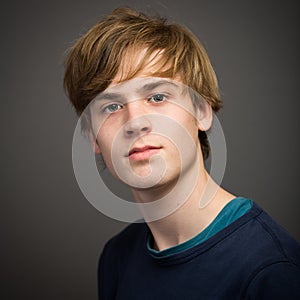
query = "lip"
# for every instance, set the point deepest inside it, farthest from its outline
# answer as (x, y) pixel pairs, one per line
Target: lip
(142, 153)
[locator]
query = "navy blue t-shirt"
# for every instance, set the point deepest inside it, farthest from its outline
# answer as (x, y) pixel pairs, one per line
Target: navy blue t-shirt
(251, 258)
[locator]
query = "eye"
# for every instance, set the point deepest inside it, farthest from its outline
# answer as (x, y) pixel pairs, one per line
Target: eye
(111, 108)
(157, 98)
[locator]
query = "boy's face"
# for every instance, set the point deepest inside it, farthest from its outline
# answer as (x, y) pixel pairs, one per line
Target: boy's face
(147, 130)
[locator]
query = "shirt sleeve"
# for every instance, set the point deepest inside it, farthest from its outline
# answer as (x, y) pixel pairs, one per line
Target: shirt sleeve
(280, 280)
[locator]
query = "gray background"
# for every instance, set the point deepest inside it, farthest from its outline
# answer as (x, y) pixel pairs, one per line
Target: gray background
(51, 236)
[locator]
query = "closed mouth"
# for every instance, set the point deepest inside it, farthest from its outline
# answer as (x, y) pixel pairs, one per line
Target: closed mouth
(142, 149)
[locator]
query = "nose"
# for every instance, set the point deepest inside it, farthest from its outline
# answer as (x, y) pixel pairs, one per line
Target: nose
(137, 123)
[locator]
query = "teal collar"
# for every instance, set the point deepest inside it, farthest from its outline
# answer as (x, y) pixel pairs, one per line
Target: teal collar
(231, 212)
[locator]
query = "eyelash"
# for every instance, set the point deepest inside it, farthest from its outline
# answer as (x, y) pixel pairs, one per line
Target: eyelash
(155, 95)
(106, 108)
(119, 106)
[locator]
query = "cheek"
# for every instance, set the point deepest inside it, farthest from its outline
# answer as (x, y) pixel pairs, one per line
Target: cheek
(107, 134)
(105, 145)
(187, 121)
(104, 142)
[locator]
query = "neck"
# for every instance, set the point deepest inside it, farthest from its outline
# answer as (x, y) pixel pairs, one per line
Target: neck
(178, 220)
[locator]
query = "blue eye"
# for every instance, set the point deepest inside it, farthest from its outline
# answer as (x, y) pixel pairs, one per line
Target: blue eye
(111, 108)
(157, 98)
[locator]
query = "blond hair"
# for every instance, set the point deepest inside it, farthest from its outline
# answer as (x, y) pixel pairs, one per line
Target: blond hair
(96, 58)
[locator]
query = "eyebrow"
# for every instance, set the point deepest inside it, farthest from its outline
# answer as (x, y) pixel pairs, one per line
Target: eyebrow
(145, 88)
(108, 96)
(152, 85)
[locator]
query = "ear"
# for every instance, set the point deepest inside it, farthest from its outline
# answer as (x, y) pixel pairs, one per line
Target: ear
(93, 141)
(204, 116)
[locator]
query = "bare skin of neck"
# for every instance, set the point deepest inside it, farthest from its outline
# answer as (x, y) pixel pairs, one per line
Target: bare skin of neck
(189, 219)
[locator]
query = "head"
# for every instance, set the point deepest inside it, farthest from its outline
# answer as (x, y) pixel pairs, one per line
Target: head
(98, 58)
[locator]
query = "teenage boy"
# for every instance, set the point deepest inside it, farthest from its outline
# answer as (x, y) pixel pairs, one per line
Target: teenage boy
(147, 91)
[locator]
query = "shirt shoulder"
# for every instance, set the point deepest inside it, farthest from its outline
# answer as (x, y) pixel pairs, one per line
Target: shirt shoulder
(278, 280)
(130, 236)
(274, 257)
(116, 256)
(278, 240)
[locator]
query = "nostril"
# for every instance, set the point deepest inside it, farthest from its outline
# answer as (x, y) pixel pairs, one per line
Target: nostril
(140, 125)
